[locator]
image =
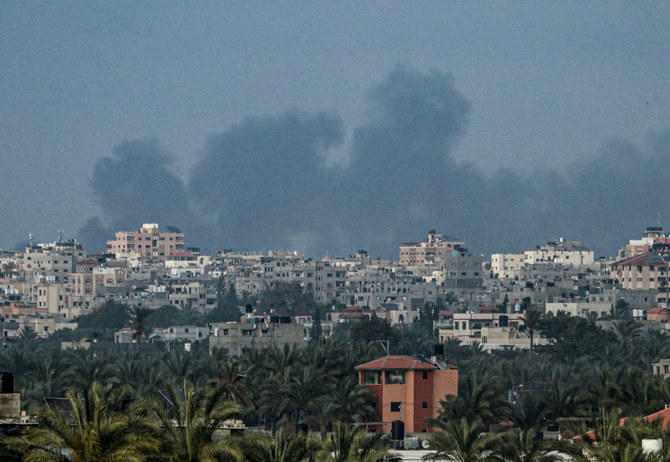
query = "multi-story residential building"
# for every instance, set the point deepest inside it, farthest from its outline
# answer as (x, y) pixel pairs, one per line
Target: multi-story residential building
(185, 264)
(662, 368)
(167, 334)
(408, 389)
(581, 309)
(255, 333)
(428, 253)
(561, 251)
(507, 265)
(147, 243)
(653, 236)
(462, 270)
(642, 272)
(51, 262)
(42, 324)
(470, 325)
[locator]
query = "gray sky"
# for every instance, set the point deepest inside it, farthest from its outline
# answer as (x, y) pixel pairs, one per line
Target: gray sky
(548, 85)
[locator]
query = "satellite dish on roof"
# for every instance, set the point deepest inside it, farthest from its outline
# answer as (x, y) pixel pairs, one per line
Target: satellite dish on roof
(425, 444)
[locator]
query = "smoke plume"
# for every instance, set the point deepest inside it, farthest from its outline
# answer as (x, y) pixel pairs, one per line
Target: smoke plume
(267, 182)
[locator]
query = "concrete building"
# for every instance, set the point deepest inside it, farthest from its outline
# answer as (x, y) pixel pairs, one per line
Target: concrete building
(462, 270)
(662, 368)
(468, 326)
(408, 388)
(581, 309)
(147, 243)
(255, 333)
(51, 262)
(561, 251)
(661, 315)
(181, 334)
(430, 252)
(507, 265)
(652, 237)
(641, 272)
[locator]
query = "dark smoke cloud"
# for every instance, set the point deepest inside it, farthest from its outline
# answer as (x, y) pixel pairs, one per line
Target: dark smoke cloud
(135, 185)
(267, 183)
(266, 179)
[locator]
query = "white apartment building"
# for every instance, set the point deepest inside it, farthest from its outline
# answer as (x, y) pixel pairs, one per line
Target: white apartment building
(507, 265)
(581, 309)
(562, 252)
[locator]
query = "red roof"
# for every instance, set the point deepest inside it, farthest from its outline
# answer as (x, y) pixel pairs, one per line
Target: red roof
(664, 414)
(658, 310)
(396, 362)
(354, 308)
(446, 313)
(181, 255)
(89, 261)
(354, 315)
(487, 308)
(645, 259)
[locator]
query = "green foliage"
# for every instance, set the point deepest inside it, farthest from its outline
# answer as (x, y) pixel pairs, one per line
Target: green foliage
(478, 400)
(98, 429)
(170, 315)
(572, 336)
(353, 444)
(227, 307)
(460, 442)
(189, 423)
(287, 298)
(373, 329)
(285, 446)
(111, 315)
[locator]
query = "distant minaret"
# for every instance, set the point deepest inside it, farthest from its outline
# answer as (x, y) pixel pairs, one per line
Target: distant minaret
(60, 235)
(30, 239)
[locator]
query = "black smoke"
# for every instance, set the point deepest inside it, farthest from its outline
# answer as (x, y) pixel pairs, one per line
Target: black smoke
(269, 182)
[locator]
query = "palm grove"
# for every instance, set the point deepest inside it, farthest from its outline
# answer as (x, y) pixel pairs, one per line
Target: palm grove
(585, 378)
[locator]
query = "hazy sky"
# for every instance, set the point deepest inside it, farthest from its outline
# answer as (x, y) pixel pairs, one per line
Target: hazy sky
(544, 86)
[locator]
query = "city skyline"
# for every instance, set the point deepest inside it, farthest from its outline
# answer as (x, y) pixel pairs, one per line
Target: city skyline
(345, 125)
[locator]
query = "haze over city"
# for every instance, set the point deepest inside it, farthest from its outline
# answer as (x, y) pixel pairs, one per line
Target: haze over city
(332, 127)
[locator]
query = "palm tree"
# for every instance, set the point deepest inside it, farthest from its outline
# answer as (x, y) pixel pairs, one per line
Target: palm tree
(531, 320)
(524, 446)
(353, 444)
(304, 392)
(564, 401)
(353, 400)
(233, 384)
(139, 321)
(49, 372)
(285, 446)
(461, 443)
(531, 412)
(190, 422)
(100, 430)
(477, 400)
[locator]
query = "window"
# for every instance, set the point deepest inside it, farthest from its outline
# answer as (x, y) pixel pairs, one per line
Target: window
(395, 377)
(424, 405)
(425, 375)
(373, 377)
(395, 406)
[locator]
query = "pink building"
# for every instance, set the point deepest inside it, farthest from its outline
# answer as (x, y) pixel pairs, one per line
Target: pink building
(433, 251)
(147, 243)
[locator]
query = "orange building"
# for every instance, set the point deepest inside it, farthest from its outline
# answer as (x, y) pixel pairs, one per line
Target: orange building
(408, 388)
